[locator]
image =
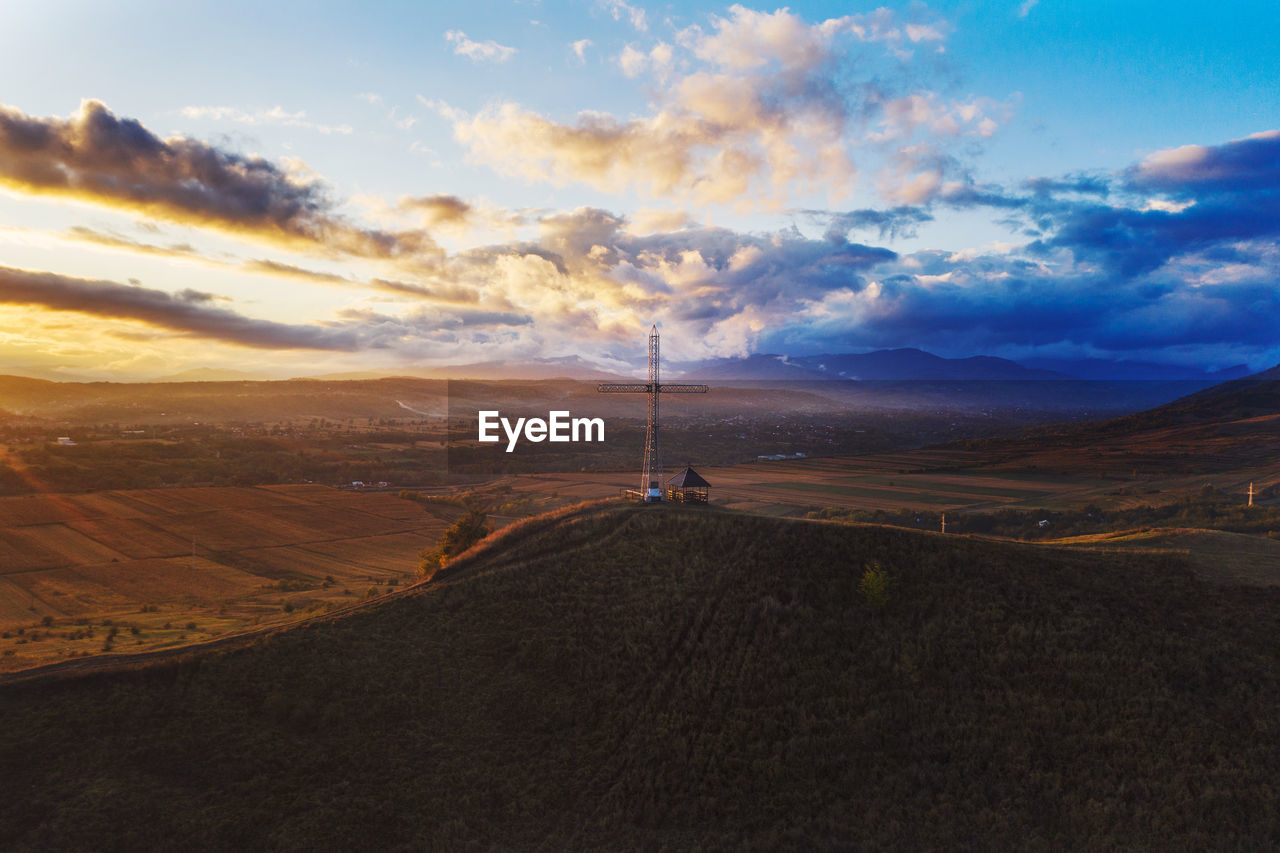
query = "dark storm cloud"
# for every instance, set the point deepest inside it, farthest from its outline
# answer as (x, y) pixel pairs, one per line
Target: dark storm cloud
(1240, 167)
(892, 223)
(1130, 242)
(1198, 198)
(1083, 184)
(98, 157)
(985, 306)
(1177, 253)
(187, 311)
(969, 195)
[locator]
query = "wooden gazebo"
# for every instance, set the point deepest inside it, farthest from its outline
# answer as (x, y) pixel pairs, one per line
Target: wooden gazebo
(688, 487)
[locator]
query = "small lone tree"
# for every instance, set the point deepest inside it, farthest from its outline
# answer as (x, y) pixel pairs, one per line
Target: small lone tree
(874, 586)
(464, 533)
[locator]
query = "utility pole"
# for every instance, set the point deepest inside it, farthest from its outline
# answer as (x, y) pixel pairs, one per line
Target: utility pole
(1251, 493)
(944, 522)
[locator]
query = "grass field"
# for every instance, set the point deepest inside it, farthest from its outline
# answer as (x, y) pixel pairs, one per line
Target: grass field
(951, 479)
(647, 678)
(1215, 555)
(134, 570)
(927, 479)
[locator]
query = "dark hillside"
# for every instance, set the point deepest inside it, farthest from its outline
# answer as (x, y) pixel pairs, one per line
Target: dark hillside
(631, 677)
(1230, 425)
(1250, 397)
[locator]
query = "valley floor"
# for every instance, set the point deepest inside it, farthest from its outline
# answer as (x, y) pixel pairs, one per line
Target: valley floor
(938, 479)
(130, 571)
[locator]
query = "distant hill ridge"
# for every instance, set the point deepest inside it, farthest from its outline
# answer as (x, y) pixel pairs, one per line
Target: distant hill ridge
(1257, 394)
(1235, 399)
(212, 374)
(1234, 424)
(901, 364)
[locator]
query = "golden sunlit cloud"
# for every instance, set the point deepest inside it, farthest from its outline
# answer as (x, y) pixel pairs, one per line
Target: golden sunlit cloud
(751, 113)
(437, 292)
(648, 220)
(261, 265)
(187, 311)
(438, 209)
(116, 241)
(96, 157)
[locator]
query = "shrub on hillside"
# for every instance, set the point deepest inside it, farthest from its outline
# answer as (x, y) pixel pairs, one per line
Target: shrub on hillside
(874, 586)
(464, 533)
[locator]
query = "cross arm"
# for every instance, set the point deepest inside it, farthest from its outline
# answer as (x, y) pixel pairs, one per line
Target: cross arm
(638, 388)
(623, 389)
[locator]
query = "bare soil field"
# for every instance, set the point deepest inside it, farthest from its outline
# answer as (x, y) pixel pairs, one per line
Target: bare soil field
(134, 570)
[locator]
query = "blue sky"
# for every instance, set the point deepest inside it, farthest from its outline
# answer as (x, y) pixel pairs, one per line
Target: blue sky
(308, 187)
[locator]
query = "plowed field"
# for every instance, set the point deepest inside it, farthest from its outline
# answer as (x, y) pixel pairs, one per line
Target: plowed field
(170, 566)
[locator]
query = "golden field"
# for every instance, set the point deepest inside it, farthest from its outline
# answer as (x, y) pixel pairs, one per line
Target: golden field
(128, 571)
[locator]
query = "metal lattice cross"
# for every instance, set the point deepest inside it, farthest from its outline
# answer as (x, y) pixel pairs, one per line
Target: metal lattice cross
(651, 478)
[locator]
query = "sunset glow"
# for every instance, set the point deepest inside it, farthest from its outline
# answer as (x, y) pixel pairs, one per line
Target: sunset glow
(286, 193)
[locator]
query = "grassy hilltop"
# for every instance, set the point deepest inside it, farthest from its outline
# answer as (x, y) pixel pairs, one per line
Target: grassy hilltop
(634, 677)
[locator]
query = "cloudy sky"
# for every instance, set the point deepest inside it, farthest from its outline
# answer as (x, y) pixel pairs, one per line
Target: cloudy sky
(297, 188)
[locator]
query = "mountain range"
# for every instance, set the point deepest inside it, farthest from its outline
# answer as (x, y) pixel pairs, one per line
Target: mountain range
(909, 364)
(1106, 369)
(891, 365)
(881, 365)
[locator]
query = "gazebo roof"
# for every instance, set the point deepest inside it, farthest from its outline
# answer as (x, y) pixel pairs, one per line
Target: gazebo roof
(688, 479)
